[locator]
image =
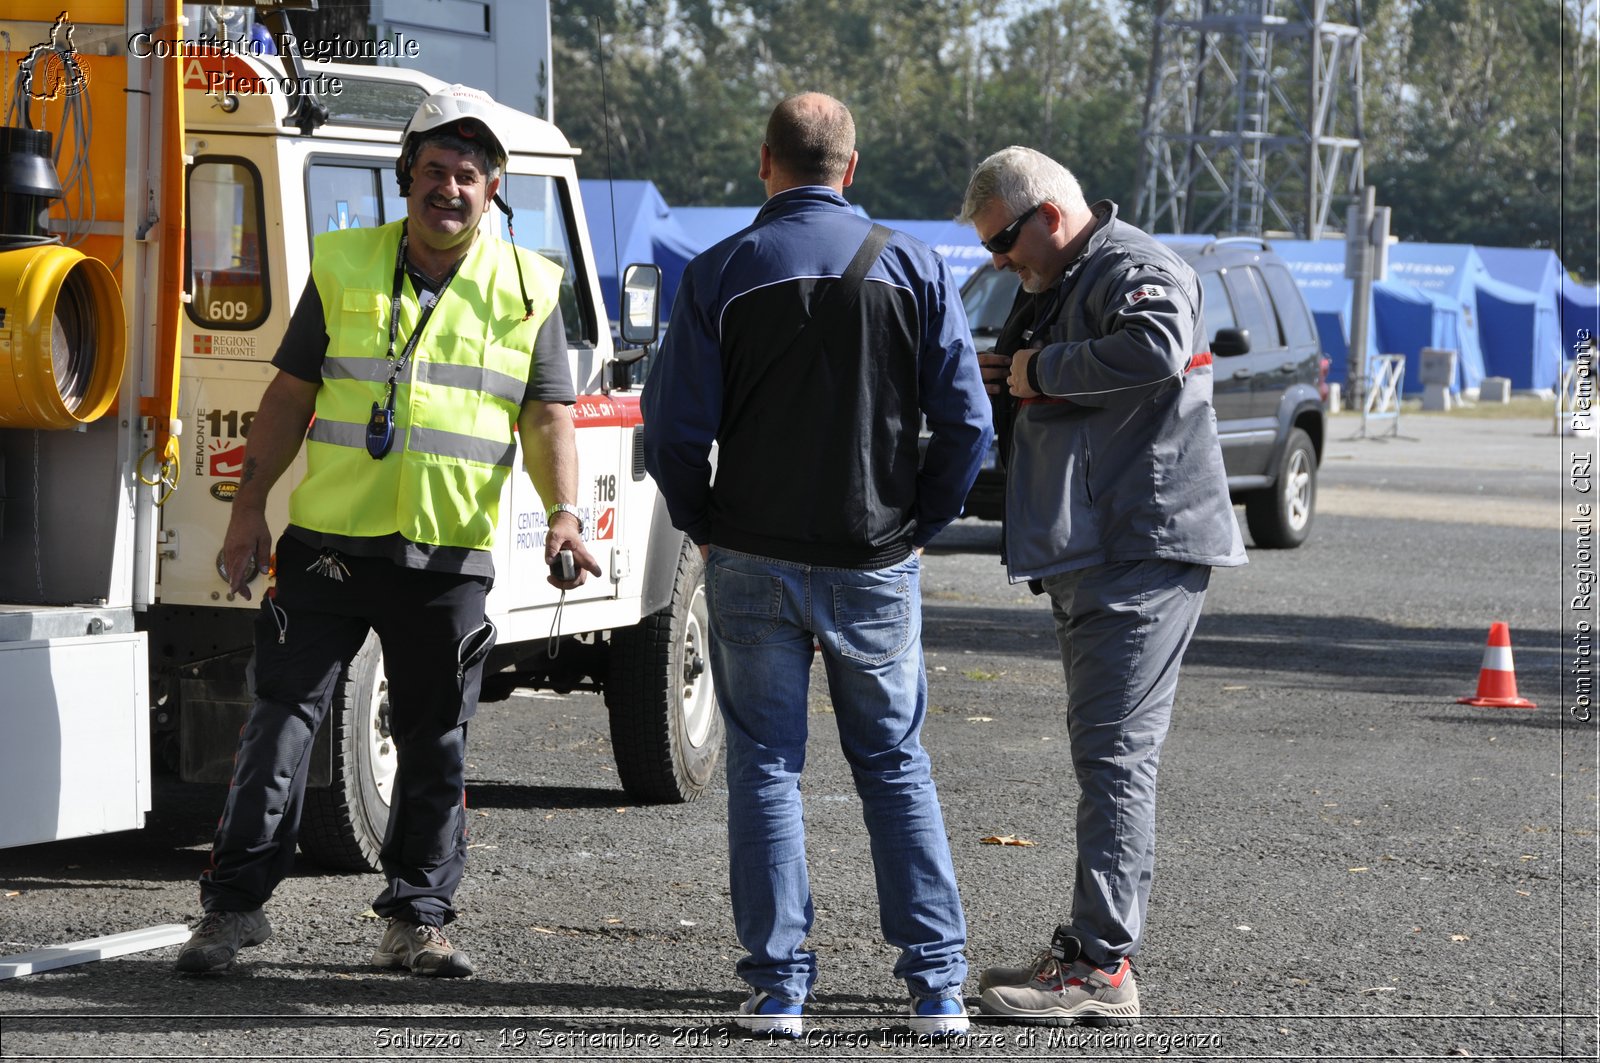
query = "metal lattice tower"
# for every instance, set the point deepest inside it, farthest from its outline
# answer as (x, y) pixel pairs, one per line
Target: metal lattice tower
(1252, 117)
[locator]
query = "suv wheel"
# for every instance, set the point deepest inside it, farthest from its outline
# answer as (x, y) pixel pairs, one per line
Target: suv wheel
(1280, 516)
(666, 730)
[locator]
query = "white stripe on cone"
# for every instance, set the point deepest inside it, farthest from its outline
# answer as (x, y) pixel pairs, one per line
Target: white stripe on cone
(1497, 659)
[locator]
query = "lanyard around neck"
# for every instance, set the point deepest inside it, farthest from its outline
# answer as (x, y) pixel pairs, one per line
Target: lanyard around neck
(396, 367)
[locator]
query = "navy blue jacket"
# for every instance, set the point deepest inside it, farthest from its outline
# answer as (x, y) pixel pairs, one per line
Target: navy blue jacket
(817, 456)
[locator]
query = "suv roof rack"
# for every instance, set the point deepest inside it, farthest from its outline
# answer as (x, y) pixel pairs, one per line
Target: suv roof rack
(1219, 241)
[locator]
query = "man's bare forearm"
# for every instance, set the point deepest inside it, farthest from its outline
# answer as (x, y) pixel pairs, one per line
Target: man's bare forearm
(549, 451)
(276, 435)
(550, 454)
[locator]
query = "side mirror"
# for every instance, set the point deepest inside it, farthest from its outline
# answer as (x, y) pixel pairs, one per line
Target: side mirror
(641, 290)
(1231, 341)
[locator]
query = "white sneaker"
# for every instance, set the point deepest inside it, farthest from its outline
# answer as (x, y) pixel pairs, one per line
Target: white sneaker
(765, 1013)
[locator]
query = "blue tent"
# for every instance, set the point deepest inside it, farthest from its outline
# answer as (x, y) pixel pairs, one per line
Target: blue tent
(1580, 313)
(957, 243)
(710, 225)
(648, 230)
(1522, 327)
(1536, 269)
(1451, 273)
(1521, 338)
(1407, 319)
(1404, 318)
(1318, 268)
(1439, 295)
(1514, 338)
(644, 231)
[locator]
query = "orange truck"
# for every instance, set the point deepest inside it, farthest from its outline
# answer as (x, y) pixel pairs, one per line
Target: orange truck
(158, 199)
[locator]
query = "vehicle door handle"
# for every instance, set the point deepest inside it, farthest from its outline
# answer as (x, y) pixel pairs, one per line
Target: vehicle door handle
(1241, 373)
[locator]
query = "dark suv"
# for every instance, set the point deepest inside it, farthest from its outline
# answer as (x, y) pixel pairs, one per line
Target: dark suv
(1269, 377)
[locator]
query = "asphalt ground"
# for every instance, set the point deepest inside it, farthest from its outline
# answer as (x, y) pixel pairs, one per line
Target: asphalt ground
(1350, 864)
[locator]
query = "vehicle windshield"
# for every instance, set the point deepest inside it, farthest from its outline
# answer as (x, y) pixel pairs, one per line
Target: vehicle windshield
(987, 297)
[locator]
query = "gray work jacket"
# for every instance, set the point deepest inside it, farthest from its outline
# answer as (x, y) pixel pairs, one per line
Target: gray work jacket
(1120, 460)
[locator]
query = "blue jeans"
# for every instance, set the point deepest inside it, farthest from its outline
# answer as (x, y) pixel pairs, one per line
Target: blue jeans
(765, 615)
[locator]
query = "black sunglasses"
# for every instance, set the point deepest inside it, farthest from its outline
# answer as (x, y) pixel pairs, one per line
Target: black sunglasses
(1004, 240)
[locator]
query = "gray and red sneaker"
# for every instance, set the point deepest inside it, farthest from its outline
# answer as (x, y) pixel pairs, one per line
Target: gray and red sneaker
(1062, 993)
(1065, 946)
(995, 976)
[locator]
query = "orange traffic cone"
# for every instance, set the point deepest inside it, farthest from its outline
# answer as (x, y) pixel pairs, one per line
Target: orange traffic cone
(1497, 679)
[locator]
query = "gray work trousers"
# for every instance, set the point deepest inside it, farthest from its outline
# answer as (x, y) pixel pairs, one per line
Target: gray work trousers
(1123, 629)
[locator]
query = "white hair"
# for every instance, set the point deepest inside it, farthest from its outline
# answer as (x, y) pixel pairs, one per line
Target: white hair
(1021, 178)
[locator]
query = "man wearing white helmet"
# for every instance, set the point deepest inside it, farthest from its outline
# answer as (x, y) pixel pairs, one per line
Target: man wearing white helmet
(419, 347)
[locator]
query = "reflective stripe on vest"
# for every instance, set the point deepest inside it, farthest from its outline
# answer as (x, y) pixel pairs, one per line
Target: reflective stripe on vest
(470, 377)
(420, 441)
(456, 403)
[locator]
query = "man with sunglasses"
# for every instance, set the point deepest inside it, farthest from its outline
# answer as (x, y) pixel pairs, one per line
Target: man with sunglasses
(1117, 507)
(417, 349)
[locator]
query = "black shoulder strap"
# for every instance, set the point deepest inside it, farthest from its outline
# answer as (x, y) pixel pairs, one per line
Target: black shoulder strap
(839, 297)
(842, 293)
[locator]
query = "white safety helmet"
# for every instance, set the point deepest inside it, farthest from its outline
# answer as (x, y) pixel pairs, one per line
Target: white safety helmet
(461, 110)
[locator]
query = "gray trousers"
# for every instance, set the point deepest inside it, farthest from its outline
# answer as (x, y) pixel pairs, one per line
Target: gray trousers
(1123, 629)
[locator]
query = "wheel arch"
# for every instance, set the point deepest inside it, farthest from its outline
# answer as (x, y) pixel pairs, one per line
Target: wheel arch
(660, 560)
(1300, 408)
(1314, 423)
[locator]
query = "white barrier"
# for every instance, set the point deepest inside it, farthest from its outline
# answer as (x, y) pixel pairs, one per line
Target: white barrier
(1383, 396)
(101, 948)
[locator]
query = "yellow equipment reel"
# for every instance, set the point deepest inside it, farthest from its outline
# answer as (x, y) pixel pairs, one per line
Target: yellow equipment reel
(63, 338)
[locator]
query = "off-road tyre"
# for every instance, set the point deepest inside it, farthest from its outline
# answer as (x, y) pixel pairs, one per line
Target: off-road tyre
(666, 730)
(342, 825)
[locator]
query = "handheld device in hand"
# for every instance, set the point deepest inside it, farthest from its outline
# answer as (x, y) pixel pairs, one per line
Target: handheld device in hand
(563, 567)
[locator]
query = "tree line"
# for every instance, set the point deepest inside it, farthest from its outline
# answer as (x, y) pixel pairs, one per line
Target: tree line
(1479, 115)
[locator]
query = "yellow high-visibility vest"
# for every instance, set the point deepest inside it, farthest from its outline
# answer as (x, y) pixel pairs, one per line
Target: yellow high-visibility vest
(456, 401)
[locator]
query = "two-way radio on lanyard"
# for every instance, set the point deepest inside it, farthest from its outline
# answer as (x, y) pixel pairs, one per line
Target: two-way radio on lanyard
(380, 428)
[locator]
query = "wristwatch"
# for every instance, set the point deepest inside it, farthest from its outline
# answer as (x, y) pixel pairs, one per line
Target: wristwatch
(562, 507)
